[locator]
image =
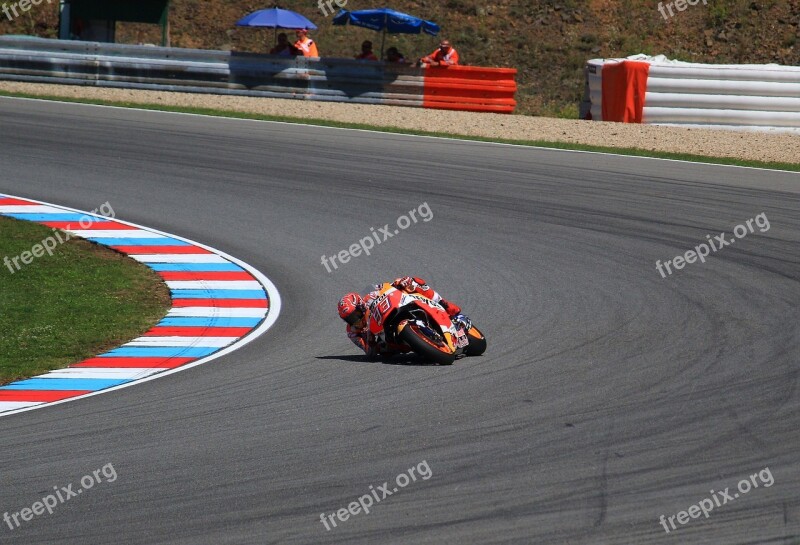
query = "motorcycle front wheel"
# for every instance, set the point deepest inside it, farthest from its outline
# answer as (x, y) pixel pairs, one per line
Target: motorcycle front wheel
(477, 342)
(431, 347)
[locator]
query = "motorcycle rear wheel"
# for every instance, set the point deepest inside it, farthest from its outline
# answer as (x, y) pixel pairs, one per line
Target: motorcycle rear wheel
(435, 350)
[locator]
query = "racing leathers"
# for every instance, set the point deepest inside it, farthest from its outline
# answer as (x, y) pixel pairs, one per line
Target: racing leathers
(360, 335)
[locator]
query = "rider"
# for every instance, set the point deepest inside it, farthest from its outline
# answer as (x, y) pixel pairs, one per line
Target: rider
(353, 309)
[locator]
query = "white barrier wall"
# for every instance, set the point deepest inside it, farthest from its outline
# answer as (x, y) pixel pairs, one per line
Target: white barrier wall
(757, 97)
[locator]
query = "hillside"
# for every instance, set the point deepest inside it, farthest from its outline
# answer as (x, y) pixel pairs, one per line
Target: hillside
(548, 41)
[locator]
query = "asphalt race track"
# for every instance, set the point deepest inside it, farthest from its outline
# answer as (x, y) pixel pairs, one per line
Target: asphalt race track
(609, 396)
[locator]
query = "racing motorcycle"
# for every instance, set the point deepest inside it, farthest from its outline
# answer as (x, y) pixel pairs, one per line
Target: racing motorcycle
(409, 322)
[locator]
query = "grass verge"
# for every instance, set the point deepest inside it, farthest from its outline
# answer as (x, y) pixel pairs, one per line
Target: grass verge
(60, 309)
(636, 152)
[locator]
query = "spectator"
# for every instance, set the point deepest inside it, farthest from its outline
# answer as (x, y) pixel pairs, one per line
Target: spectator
(305, 44)
(284, 48)
(366, 52)
(446, 55)
(77, 29)
(393, 55)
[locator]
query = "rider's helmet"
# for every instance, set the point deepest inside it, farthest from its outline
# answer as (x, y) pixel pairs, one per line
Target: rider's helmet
(351, 308)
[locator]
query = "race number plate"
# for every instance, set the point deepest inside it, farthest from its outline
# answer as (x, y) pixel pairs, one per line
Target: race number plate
(461, 338)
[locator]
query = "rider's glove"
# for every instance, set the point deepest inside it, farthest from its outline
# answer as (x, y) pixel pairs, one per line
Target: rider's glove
(405, 283)
(463, 320)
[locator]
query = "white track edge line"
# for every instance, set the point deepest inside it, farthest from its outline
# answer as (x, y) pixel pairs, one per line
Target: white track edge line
(466, 138)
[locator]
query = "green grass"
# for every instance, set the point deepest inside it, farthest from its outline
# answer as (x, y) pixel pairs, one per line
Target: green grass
(60, 309)
(637, 152)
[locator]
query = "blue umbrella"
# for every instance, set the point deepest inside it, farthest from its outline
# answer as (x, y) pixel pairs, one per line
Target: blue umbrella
(386, 20)
(276, 18)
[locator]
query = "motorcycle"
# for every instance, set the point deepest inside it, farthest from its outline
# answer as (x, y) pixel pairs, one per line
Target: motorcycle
(409, 322)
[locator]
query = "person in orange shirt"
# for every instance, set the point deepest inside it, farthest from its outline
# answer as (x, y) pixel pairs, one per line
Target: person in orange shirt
(305, 44)
(366, 52)
(446, 55)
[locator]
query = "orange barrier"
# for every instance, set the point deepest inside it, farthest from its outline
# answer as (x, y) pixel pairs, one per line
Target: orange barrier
(624, 89)
(470, 89)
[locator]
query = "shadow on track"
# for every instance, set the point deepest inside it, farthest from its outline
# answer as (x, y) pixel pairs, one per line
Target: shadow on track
(400, 359)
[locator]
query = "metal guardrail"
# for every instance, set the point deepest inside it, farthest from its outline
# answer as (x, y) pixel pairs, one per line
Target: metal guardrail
(745, 96)
(221, 72)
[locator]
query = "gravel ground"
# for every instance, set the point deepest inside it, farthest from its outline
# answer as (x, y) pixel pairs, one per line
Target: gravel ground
(715, 143)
